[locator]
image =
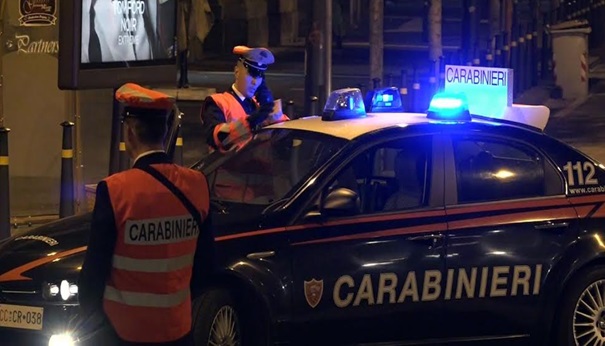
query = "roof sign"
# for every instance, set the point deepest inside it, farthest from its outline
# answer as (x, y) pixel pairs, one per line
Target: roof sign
(489, 89)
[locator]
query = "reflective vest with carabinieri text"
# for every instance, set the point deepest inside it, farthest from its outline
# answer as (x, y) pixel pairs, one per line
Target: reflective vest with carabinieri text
(147, 297)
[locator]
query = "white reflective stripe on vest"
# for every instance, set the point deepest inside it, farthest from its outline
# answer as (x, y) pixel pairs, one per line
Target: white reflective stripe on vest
(163, 265)
(146, 299)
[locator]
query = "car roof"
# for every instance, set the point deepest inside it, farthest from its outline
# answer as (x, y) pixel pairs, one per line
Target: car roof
(350, 129)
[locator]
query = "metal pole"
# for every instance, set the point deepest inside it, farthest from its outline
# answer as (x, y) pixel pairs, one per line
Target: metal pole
(124, 158)
(327, 82)
(114, 144)
(312, 56)
(435, 38)
(80, 194)
(376, 39)
(473, 30)
(5, 230)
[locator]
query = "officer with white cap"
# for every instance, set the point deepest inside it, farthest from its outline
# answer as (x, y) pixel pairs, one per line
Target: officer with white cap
(229, 118)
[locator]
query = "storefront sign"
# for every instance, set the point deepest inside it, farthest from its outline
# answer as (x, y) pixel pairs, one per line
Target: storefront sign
(27, 46)
(37, 12)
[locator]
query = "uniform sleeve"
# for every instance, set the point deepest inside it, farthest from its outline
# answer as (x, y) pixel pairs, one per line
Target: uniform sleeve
(205, 257)
(97, 262)
(211, 116)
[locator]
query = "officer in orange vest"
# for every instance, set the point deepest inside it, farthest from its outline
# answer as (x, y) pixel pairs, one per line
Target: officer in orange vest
(229, 118)
(150, 224)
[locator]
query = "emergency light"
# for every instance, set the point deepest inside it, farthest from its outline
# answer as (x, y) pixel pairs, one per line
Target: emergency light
(449, 107)
(384, 100)
(344, 104)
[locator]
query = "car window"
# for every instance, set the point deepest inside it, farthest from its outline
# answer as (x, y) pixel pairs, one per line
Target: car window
(271, 166)
(490, 169)
(389, 177)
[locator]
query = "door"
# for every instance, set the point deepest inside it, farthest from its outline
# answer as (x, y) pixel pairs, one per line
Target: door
(374, 275)
(508, 220)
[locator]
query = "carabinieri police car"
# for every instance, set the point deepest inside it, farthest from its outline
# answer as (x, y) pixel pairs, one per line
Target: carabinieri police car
(357, 227)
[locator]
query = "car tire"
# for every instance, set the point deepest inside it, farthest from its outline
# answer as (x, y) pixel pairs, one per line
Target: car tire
(582, 314)
(216, 320)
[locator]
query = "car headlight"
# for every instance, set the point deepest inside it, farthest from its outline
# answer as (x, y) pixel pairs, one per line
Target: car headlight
(64, 289)
(61, 340)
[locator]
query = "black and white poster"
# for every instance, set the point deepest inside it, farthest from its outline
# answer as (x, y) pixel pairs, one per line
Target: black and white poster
(127, 30)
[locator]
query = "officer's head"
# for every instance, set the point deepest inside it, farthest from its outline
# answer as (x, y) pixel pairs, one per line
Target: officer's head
(250, 68)
(145, 114)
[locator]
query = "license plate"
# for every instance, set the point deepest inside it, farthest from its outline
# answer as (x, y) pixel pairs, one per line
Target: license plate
(19, 316)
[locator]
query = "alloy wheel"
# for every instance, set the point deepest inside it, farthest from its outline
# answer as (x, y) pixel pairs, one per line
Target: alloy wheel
(225, 329)
(589, 316)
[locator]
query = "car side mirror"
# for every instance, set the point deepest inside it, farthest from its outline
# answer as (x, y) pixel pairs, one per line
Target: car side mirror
(341, 202)
(338, 203)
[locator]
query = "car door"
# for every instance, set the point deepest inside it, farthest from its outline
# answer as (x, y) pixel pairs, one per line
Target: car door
(374, 275)
(508, 222)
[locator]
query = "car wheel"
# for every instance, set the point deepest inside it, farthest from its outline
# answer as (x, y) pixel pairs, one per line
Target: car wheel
(216, 320)
(582, 318)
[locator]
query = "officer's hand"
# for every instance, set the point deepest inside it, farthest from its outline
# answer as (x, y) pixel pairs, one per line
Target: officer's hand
(260, 115)
(263, 95)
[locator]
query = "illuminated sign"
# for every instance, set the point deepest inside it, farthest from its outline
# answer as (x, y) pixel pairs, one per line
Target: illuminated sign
(489, 90)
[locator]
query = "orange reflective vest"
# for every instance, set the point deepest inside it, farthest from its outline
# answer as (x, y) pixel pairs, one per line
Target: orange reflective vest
(245, 186)
(147, 297)
(235, 116)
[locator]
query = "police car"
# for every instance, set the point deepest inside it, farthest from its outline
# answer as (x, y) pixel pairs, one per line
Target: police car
(357, 227)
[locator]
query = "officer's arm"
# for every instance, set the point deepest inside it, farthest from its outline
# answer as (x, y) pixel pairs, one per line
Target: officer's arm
(212, 116)
(204, 260)
(97, 263)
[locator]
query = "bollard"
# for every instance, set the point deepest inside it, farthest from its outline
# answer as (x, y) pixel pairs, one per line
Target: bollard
(415, 96)
(489, 53)
(178, 147)
(5, 231)
(403, 91)
(314, 100)
(505, 59)
(498, 50)
(124, 158)
(388, 80)
(441, 81)
(67, 206)
(514, 60)
(535, 58)
(522, 61)
(476, 59)
(545, 56)
(290, 109)
(432, 90)
(376, 83)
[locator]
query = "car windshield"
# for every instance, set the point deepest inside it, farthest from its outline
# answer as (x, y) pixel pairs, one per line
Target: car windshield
(269, 168)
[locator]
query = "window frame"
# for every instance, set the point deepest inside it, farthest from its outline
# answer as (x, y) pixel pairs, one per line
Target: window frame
(436, 193)
(451, 184)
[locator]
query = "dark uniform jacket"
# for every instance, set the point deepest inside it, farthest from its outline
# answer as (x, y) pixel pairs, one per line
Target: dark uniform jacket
(98, 261)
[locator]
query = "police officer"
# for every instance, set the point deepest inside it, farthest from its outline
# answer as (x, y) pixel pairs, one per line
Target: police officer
(148, 221)
(229, 118)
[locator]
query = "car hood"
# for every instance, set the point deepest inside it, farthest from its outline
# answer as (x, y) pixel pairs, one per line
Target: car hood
(54, 250)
